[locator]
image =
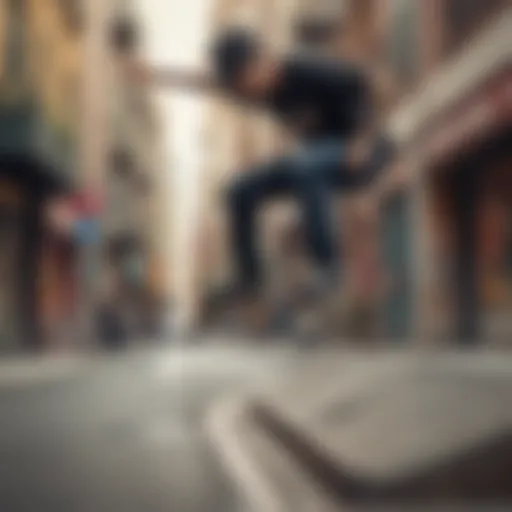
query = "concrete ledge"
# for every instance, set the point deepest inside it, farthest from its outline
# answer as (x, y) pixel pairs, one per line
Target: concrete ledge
(482, 475)
(446, 437)
(266, 477)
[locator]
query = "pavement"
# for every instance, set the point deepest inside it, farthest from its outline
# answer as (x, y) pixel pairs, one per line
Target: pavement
(249, 427)
(20, 371)
(123, 432)
(376, 431)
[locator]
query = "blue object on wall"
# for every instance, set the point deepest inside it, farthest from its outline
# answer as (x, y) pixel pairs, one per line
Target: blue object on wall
(87, 231)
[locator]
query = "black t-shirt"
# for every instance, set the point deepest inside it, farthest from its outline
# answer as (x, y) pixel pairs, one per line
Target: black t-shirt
(320, 98)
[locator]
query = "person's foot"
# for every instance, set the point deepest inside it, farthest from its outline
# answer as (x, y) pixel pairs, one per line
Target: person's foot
(228, 295)
(254, 314)
(313, 307)
(251, 312)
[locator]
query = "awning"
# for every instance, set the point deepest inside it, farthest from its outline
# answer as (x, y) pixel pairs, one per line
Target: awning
(479, 117)
(489, 52)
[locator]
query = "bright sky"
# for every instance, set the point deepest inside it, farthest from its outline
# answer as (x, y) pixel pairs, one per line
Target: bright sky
(175, 32)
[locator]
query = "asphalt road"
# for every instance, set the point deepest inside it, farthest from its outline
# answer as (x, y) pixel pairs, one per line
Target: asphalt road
(124, 434)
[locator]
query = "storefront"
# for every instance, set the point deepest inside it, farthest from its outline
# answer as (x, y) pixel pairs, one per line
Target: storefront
(469, 161)
(11, 233)
(494, 225)
(58, 282)
(69, 272)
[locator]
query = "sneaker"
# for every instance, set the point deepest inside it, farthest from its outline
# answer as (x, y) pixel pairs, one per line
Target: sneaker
(254, 314)
(228, 295)
(314, 307)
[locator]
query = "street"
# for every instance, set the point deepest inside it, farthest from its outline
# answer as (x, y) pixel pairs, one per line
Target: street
(125, 432)
(312, 199)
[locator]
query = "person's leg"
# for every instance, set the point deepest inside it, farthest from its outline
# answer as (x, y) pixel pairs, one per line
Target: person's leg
(353, 176)
(313, 191)
(312, 175)
(322, 172)
(324, 169)
(245, 196)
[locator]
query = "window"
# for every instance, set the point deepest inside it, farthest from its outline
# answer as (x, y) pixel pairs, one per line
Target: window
(318, 22)
(124, 35)
(74, 13)
(15, 61)
(317, 31)
(122, 162)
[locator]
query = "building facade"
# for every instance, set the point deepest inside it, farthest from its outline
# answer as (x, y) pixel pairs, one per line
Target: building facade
(459, 121)
(443, 273)
(40, 47)
(78, 151)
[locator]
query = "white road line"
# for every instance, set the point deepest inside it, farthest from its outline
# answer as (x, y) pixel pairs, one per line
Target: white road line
(237, 459)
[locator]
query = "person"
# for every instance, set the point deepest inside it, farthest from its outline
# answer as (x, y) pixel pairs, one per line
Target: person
(327, 106)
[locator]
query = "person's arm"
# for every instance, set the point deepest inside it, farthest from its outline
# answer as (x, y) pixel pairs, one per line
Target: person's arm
(171, 77)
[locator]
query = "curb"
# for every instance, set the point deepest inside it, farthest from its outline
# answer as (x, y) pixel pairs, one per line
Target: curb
(254, 489)
(470, 475)
(335, 480)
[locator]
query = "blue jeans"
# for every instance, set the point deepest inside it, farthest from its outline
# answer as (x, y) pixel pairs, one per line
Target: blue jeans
(311, 176)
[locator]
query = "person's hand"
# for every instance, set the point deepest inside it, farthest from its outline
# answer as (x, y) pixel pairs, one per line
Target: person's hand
(137, 72)
(359, 152)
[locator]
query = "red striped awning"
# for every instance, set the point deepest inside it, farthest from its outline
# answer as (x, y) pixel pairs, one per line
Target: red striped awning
(482, 114)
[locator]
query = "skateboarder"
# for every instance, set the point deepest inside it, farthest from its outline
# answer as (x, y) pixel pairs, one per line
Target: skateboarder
(327, 106)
